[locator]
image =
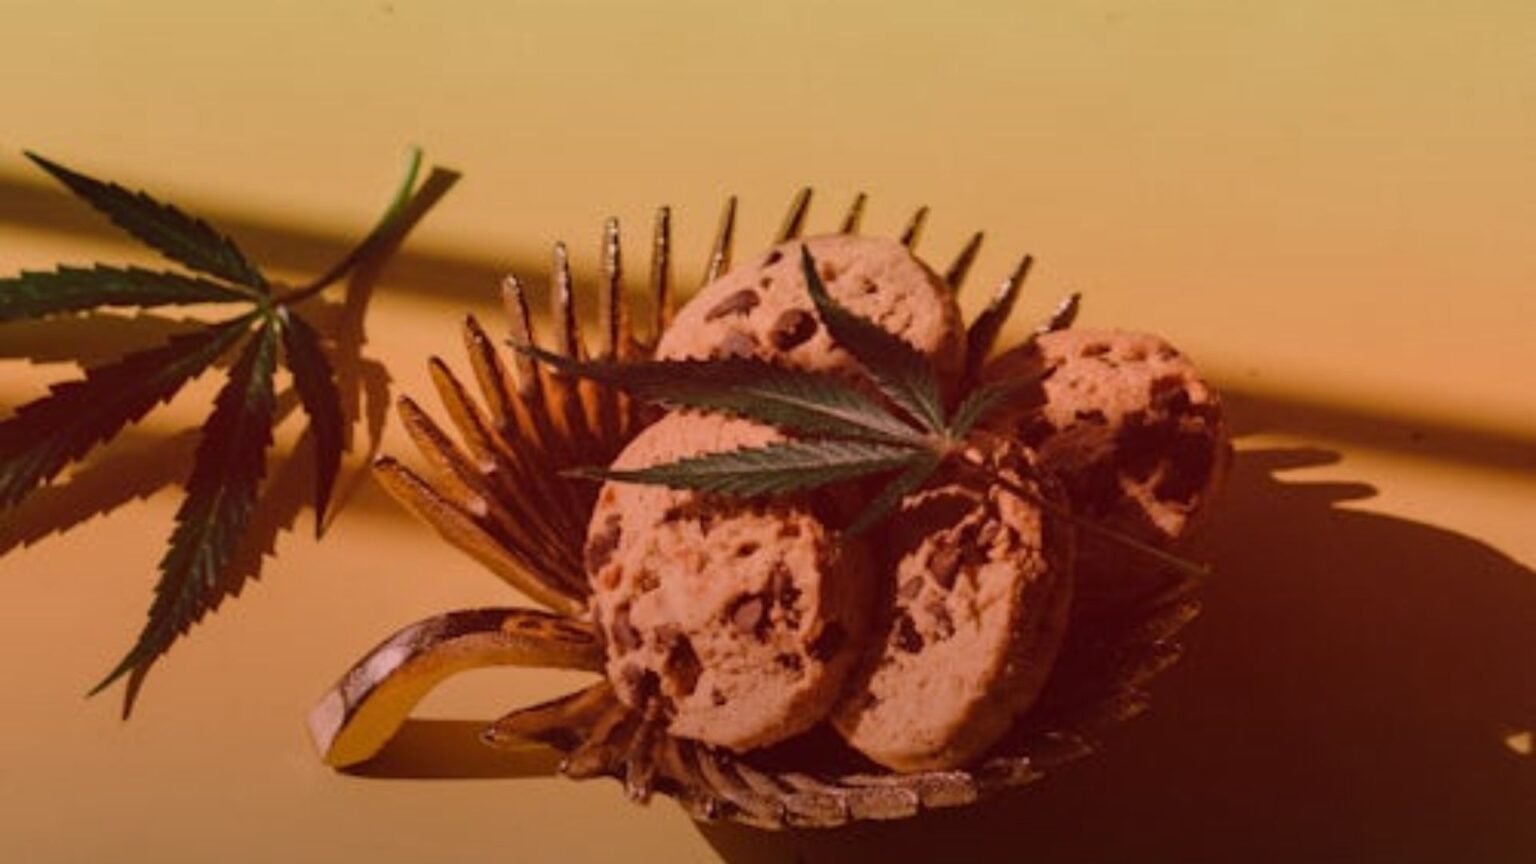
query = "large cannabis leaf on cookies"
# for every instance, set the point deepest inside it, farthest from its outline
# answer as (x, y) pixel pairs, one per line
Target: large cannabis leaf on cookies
(896, 423)
(838, 430)
(42, 438)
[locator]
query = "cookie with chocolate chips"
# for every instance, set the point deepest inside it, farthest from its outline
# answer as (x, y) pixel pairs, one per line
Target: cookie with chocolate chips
(763, 309)
(1131, 428)
(741, 617)
(981, 581)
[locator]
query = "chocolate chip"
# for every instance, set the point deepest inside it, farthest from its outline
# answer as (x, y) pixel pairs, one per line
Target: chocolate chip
(1142, 445)
(747, 549)
(792, 662)
(739, 303)
(600, 546)
(1034, 434)
(1190, 462)
(974, 551)
(1095, 487)
(828, 641)
(1091, 415)
(989, 532)
(907, 637)
(716, 698)
(1095, 349)
(625, 637)
(1178, 403)
(944, 565)
(944, 626)
(750, 616)
(638, 682)
(785, 593)
(773, 258)
(736, 344)
(1170, 395)
(793, 327)
(683, 663)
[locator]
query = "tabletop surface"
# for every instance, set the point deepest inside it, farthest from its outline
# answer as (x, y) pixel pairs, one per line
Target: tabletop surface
(1330, 206)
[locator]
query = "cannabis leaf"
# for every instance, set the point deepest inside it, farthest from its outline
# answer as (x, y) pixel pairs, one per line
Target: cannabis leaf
(744, 387)
(783, 466)
(221, 495)
(71, 289)
(45, 436)
(316, 383)
(839, 432)
(182, 238)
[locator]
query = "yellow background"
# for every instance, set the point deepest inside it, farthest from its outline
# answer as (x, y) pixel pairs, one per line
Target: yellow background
(1330, 205)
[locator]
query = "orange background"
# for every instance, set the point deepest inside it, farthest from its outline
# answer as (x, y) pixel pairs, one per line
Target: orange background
(1330, 205)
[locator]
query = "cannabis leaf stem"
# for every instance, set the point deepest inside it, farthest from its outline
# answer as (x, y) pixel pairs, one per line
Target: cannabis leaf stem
(1101, 532)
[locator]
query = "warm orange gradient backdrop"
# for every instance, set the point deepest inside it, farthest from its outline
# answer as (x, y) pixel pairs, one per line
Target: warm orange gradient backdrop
(1330, 205)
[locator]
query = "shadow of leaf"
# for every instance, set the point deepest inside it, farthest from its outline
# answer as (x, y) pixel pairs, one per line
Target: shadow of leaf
(88, 339)
(132, 470)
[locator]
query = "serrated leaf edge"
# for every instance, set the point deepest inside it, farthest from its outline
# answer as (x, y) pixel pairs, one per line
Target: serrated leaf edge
(215, 253)
(199, 566)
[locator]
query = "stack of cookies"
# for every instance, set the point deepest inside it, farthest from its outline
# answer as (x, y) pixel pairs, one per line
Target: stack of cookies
(923, 641)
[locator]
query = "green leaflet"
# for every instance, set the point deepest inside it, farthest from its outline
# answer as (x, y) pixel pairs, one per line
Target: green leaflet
(785, 466)
(313, 378)
(33, 294)
(903, 374)
(176, 235)
(919, 468)
(845, 434)
(810, 403)
(848, 435)
(47, 434)
(221, 497)
(984, 400)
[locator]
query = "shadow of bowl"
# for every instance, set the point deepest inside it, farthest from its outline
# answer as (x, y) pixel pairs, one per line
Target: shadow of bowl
(1347, 696)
